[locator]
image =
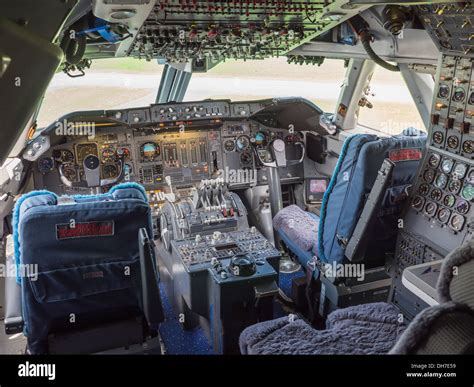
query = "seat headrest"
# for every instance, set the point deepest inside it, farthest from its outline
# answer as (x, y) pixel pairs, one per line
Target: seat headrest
(455, 281)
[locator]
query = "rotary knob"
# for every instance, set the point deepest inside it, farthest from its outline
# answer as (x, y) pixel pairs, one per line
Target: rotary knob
(242, 265)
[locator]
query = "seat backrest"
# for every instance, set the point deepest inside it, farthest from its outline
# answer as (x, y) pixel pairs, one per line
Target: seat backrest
(78, 259)
(447, 328)
(361, 157)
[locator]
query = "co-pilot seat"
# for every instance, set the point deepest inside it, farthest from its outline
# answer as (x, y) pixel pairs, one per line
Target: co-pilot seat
(86, 273)
(359, 214)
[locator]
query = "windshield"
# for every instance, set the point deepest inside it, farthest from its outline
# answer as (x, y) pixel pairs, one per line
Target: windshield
(108, 84)
(270, 78)
(126, 83)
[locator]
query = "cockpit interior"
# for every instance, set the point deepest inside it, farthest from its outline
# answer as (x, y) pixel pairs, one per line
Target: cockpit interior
(211, 220)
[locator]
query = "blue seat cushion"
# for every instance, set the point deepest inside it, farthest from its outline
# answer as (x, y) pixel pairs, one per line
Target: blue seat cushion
(362, 329)
(86, 257)
(299, 229)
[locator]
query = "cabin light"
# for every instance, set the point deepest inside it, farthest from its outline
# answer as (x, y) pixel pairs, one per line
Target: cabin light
(333, 16)
(123, 14)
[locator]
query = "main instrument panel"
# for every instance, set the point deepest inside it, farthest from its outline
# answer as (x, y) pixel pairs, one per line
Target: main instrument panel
(164, 146)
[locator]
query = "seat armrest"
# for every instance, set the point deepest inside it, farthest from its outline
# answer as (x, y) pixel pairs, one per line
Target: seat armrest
(152, 305)
(13, 315)
(356, 245)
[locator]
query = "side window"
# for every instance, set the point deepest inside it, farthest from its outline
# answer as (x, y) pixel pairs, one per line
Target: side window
(389, 107)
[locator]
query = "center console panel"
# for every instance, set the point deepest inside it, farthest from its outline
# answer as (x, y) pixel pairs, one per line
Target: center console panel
(221, 272)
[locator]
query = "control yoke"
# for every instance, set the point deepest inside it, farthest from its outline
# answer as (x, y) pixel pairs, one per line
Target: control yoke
(91, 165)
(278, 151)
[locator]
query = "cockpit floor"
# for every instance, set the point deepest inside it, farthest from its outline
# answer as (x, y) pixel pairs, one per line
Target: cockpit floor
(11, 345)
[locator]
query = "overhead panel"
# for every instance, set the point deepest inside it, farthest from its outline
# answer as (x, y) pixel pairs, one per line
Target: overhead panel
(183, 31)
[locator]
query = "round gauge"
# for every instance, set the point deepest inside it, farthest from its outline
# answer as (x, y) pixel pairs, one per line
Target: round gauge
(110, 171)
(459, 94)
(443, 215)
(242, 143)
(229, 145)
(45, 164)
(108, 155)
(84, 150)
(454, 186)
(462, 207)
(123, 152)
(69, 172)
(470, 176)
(418, 202)
(471, 99)
(460, 170)
(246, 158)
(433, 161)
(63, 155)
(449, 200)
(423, 189)
(447, 165)
(438, 137)
(468, 146)
(430, 208)
(443, 91)
(457, 222)
(453, 142)
(436, 194)
(260, 138)
(468, 192)
(441, 181)
(149, 151)
(429, 175)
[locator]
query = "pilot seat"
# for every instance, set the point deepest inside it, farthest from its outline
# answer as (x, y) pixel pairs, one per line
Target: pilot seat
(86, 275)
(357, 222)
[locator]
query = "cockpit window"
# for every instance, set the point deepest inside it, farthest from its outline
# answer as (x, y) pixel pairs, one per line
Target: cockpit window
(247, 80)
(388, 105)
(108, 84)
